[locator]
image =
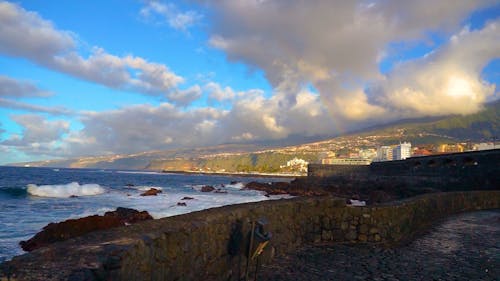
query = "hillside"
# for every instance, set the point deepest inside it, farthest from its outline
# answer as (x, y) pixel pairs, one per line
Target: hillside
(482, 126)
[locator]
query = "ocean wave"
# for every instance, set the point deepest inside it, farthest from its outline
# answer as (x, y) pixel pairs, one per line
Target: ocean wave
(65, 190)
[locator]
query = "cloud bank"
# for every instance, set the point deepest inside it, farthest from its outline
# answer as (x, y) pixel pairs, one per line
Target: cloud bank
(322, 59)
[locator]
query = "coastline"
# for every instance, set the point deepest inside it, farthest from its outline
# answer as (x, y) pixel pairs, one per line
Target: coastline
(236, 174)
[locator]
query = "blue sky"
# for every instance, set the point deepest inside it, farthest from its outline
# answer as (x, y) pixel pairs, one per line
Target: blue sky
(82, 78)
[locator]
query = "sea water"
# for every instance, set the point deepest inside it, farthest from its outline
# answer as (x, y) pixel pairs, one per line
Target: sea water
(30, 198)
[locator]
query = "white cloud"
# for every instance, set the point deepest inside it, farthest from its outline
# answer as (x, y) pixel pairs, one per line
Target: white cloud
(216, 92)
(333, 46)
(6, 103)
(447, 81)
(25, 34)
(185, 97)
(39, 136)
(13, 88)
(169, 13)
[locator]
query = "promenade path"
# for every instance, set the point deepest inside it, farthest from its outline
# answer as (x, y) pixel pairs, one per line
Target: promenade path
(463, 247)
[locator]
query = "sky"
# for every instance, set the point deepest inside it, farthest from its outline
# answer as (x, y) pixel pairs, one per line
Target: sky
(87, 78)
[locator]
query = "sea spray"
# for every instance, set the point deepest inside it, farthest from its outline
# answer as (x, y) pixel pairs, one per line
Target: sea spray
(65, 190)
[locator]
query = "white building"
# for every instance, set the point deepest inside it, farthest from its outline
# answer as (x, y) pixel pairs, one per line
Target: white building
(384, 153)
(297, 162)
(401, 151)
(486, 146)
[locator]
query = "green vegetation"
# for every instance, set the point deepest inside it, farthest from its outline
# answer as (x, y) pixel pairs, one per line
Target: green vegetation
(265, 162)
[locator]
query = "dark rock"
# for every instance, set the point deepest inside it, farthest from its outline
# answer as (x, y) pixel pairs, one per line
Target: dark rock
(280, 188)
(207, 188)
(187, 198)
(128, 215)
(55, 232)
(257, 185)
(234, 182)
(151, 192)
(130, 184)
(181, 204)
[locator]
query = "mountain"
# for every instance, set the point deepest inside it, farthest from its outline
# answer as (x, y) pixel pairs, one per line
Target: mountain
(273, 156)
(481, 126)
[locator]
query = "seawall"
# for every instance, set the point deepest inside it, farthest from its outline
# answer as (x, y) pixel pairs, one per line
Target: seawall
(475, 170)
(211, 244)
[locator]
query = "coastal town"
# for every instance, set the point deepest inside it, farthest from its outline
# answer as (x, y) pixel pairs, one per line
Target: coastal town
(356, 150)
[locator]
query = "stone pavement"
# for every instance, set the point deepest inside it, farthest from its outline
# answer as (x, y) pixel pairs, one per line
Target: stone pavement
(464, 247)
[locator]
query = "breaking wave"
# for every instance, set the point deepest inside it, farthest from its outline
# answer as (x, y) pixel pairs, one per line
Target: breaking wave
(65, 190)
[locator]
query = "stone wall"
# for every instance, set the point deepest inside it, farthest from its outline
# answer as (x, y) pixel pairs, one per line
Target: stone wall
(328, 170)
(211, 244)
(475, 170)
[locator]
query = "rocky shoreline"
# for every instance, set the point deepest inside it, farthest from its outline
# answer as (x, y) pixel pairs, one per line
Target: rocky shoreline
(300, 187)
(56, 232)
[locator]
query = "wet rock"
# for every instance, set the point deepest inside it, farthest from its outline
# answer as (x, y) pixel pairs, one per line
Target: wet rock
(55, 232)
(151, 192)
(181, 204)
(207, 188)
(187, 198)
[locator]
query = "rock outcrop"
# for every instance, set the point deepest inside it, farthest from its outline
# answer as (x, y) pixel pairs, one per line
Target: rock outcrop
(55, 232)
(207, 188)
(151, 192)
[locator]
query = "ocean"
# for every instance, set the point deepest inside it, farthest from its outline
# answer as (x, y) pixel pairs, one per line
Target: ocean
(30, 198)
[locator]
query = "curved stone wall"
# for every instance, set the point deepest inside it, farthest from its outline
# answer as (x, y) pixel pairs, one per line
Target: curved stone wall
(211, 244)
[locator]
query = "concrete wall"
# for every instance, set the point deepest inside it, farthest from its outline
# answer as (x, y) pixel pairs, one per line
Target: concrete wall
(211, 244)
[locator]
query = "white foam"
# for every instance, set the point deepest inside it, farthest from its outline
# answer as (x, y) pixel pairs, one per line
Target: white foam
(238, 185)
(145, 188)
(65, 190)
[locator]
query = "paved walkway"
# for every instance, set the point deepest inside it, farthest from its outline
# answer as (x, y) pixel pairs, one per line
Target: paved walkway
(464, 247)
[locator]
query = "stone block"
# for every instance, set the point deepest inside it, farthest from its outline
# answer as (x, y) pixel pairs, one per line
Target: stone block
(362, 237)
(363, 228)
(326, 235)
(351, 235)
